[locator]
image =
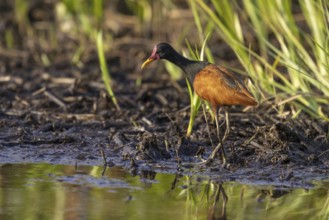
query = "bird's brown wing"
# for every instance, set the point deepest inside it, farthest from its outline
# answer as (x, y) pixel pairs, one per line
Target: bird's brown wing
(238, 84)
(220, 87)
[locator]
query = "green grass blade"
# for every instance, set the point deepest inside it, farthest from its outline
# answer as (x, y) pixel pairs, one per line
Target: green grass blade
(105, 73)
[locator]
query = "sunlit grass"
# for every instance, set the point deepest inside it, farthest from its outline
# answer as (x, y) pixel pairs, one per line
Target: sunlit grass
(9, 38)
(82, 17)
(195, 103)
(142, 9)
(21, 10)
(290, 63)
(105, 73)
(195, 100)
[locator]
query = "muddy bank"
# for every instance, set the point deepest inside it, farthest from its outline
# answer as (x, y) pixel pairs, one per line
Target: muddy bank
(63, 115)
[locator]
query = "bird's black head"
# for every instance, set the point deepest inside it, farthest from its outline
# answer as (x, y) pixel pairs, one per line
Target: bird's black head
(160, 51)
(164, 50)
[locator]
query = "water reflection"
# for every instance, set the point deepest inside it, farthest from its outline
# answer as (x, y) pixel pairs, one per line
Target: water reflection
(44, 191)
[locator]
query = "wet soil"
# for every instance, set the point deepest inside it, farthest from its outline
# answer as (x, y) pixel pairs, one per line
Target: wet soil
(62, 114)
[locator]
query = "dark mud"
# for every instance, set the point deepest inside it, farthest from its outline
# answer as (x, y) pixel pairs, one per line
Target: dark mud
(62, 114)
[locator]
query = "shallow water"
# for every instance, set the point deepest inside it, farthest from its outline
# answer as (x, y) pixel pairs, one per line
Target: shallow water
(46, 191)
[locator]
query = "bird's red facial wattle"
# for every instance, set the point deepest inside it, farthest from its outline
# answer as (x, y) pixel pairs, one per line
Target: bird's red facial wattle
(154, 56)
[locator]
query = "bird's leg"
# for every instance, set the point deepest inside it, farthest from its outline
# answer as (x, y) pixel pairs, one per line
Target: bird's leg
(215, 111)
(208, 129)
(218, 147)
(228, 128)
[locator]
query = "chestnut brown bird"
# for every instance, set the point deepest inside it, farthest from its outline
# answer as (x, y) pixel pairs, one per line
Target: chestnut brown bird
(214, 84)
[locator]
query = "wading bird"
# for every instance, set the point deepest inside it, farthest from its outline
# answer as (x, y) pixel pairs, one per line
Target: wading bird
(214, 84)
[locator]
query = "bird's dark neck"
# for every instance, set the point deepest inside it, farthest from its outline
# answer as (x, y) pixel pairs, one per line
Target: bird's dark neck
(190, 67)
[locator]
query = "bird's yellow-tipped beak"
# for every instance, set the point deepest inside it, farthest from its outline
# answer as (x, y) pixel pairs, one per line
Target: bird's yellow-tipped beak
(149, 60)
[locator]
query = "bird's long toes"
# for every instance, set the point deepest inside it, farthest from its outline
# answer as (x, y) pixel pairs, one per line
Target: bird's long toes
(206, 162)
(225, 164)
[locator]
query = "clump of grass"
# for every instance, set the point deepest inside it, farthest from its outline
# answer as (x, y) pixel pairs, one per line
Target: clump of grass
(291, 68)
(105, 73)
(195, 103)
